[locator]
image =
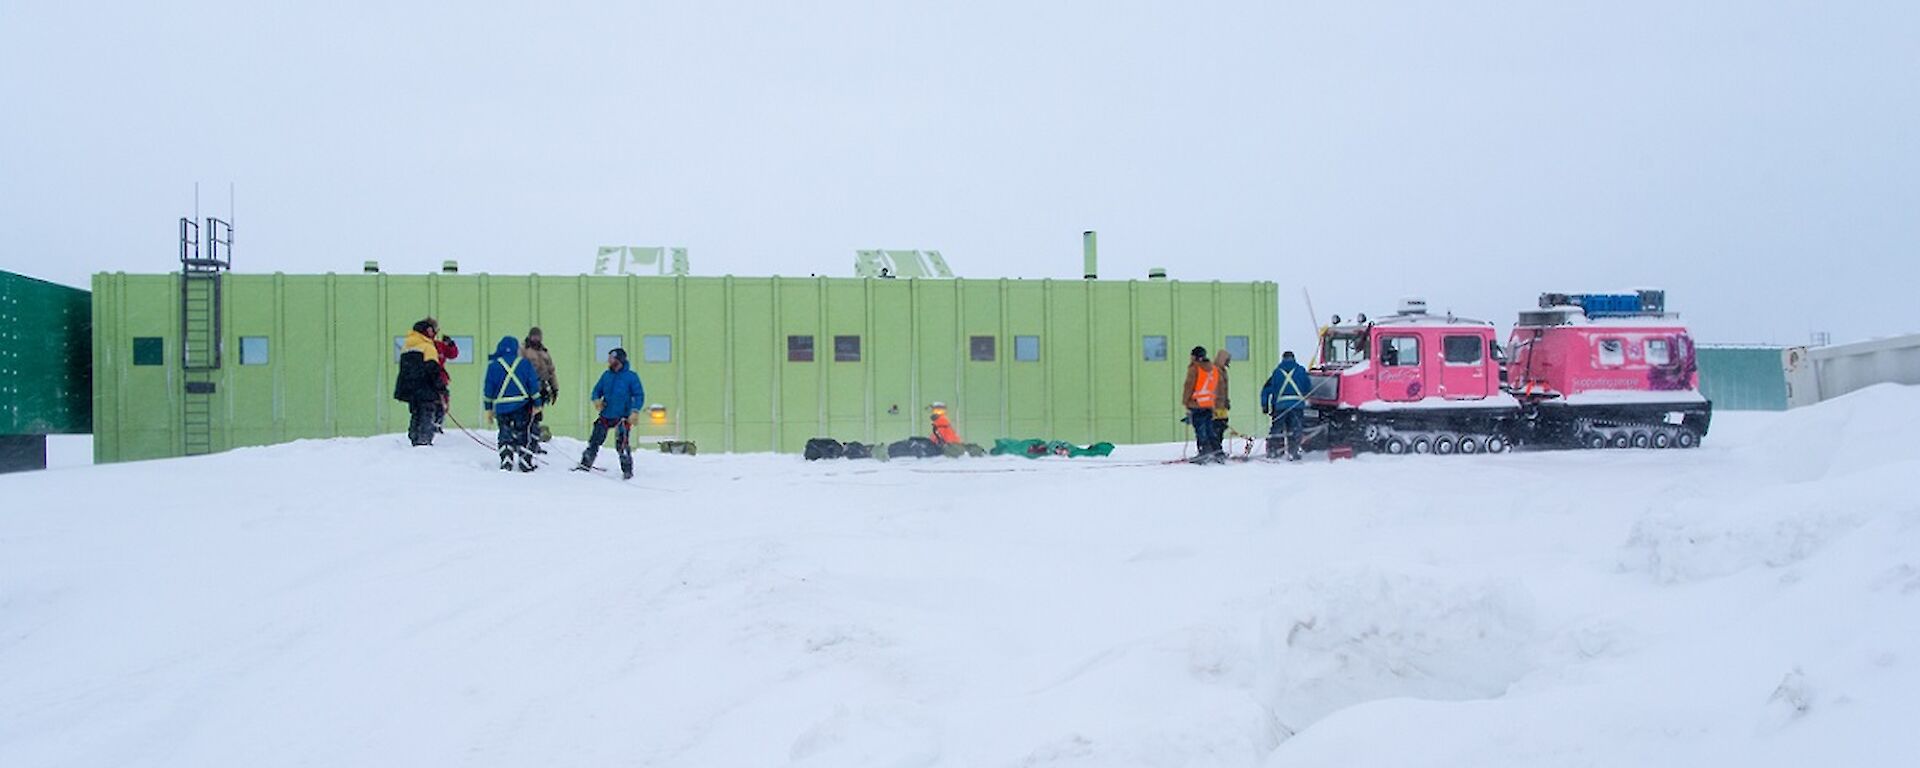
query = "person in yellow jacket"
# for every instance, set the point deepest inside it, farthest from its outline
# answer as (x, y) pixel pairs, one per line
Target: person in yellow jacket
(1200, 394)
(419, 383)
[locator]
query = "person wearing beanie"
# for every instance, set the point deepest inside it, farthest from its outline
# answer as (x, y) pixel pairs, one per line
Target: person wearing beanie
(618, 396)
(420, 382)
(1223, 400)
(1284, 396)
(449, 352)
(1198, 395)
(534, 349)
(511, 395)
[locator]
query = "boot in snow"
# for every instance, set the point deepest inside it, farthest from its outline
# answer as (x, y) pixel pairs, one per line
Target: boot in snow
(526, 460)
(506, 459)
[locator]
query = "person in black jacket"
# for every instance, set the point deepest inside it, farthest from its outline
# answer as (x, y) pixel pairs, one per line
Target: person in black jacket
(419, 383)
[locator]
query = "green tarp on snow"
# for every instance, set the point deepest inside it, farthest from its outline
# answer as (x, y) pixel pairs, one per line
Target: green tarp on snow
(1034, 449)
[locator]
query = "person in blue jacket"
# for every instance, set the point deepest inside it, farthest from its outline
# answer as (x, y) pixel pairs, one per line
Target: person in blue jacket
(618, 394)
(511, 395)
(1284, 397)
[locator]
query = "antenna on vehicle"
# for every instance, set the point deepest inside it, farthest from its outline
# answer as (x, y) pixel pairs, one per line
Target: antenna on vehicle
(1313, 320)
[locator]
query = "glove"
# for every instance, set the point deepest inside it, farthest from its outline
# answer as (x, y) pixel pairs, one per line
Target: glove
(633, 420)
(488, 416)
(599, 405)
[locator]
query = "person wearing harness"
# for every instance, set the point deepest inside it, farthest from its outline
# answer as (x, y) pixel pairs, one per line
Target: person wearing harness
(449, 351)
(419, 383)
(1199, 396)
(511, 396)
(1222, 399)
(943, 433)
(535, 351)
(618, 394)
(1284, 396)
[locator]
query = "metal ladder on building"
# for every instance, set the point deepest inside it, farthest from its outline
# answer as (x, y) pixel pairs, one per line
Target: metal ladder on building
(200, 327)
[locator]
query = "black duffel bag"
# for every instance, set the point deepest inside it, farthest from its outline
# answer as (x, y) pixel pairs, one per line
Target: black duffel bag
(824, 448)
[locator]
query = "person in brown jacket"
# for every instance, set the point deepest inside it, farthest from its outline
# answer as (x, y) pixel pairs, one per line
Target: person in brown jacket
(1223, 402)
(1200, 395)
(534, 350)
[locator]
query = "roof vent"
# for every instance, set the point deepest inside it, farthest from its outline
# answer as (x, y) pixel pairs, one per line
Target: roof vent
(1413, 306)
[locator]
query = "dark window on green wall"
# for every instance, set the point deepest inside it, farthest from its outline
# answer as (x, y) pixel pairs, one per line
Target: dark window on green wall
(253, 350)
(846, 349)
(149, 350)
(980, 349)
(799, 349)
(1026, 349)
(1153, 349)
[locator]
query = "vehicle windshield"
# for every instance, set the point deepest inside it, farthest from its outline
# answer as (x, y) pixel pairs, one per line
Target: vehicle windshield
(1343, 349)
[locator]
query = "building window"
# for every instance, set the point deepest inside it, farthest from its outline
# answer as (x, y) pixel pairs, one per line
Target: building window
(1240, 347)
(1154, 348)
(604, 345)
(1658, 353)
(799, 349)
(149, 350)
(253, 350)
(1613, 353)
(980, 349)
(1026, 349)
(656, 348)
(1461, 350)
(1400, 350)
(467, 352)
(846, 349)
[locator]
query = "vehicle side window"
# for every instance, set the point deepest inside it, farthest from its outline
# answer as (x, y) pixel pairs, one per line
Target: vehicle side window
(1460, 350)
(1400, 350)
(1658, 353)
(1612, 353)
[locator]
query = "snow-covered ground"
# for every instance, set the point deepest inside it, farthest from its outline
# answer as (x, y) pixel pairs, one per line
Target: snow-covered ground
(358, 602)
(69, 451)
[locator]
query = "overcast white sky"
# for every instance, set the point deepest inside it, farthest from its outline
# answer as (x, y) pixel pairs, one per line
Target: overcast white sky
(1760, 160)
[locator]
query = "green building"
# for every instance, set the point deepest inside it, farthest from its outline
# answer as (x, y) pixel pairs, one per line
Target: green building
(45, 344)
(209, 360)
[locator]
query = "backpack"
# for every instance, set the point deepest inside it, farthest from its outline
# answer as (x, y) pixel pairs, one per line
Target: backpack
(918, 447)
(824, 448)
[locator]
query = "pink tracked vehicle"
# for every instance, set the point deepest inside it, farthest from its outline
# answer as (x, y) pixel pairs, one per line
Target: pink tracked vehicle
(1586, 370)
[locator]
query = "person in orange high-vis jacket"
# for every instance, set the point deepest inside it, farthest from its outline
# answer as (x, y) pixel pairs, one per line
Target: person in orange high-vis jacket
(1201, 395)
(943, 433)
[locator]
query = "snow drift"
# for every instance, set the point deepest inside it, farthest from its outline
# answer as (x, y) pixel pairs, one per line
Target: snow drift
(1753, 602)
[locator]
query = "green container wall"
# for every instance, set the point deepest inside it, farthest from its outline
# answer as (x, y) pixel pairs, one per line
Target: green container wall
(729, 385)
(1743, 378)
(46, 339)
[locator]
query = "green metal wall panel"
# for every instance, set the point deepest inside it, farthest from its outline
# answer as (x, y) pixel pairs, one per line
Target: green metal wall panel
(46, 357)
(727, 382)
(1743, 378)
